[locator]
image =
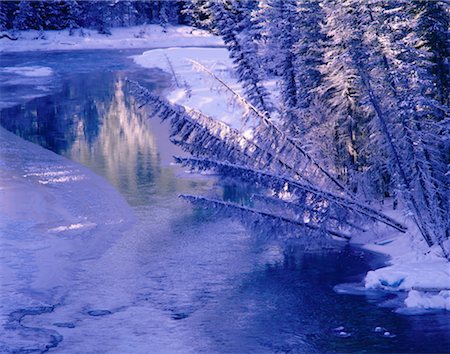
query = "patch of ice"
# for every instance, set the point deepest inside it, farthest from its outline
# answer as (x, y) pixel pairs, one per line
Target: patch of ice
(29, 71)
(71, 227)
(64, 179)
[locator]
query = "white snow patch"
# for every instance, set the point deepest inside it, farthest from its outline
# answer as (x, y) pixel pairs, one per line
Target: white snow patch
(414, 267)
(418, 299)
(193, 89)
(414, 275)
(76, 226)
(29, 71)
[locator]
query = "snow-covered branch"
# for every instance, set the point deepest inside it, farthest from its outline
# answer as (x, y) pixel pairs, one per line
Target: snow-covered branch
(229, 208)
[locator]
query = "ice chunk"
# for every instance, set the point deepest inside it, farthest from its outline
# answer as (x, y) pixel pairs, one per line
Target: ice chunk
(344, 334)
(388, 335)
(379, 329)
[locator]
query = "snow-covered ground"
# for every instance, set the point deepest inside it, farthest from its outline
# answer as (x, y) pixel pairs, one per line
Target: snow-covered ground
(49, 209)
(192, 88)
(415, 269)
(145, 36)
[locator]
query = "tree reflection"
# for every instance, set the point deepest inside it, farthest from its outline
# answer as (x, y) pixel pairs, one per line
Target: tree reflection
(92, 121)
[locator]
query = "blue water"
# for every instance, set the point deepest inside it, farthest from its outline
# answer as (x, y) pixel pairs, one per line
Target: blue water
(180, 280)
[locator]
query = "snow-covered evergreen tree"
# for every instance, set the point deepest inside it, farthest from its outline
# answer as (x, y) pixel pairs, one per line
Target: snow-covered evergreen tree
(277, 23)
(375, 92)
(223, 149)
(412, 130)
(243, 52)
(197, 13)
(431, 23)
(23, 18)
(344, 89)
(7, 10)
(72, 12)
(378, 79)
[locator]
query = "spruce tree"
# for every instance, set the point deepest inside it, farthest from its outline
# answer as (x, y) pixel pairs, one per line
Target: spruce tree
(23, 18)
(243, 52)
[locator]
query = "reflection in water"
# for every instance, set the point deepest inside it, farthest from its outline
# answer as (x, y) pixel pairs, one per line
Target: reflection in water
(92, 121)
(124, 149)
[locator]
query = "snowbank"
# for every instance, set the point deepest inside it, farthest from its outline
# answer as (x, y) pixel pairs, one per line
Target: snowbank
(145, 36)
(194, 89)
(413, 267)
(51, 194)
(417, 299)
(54, 213)
(432, 275)
(427, 281)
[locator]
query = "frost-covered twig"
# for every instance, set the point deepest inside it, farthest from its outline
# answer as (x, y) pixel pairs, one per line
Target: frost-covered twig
(172, 70)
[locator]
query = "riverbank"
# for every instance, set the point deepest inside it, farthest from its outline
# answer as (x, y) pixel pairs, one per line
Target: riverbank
(144, 36)
(49, 211)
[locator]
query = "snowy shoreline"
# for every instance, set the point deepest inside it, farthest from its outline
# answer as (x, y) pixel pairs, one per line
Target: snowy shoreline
(418, 271)
(136, 37)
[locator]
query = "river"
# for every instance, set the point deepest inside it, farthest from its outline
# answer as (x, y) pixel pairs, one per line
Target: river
(178, 280)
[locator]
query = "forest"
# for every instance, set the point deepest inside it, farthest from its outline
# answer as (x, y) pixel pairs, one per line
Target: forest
(99, 15)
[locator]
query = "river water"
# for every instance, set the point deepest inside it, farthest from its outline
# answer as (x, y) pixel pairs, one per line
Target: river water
(179, 280)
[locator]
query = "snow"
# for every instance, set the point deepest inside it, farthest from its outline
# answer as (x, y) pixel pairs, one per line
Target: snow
(33, 216)
(41, 189)
(411, 275)
(195, 88)
(413, 267)
(29, 71)
(417, 299)
(144, 36)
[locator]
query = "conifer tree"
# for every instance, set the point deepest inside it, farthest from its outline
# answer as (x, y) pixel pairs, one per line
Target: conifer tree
(23, 18)
(244, 55)
(72, 12)
(432, 23)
